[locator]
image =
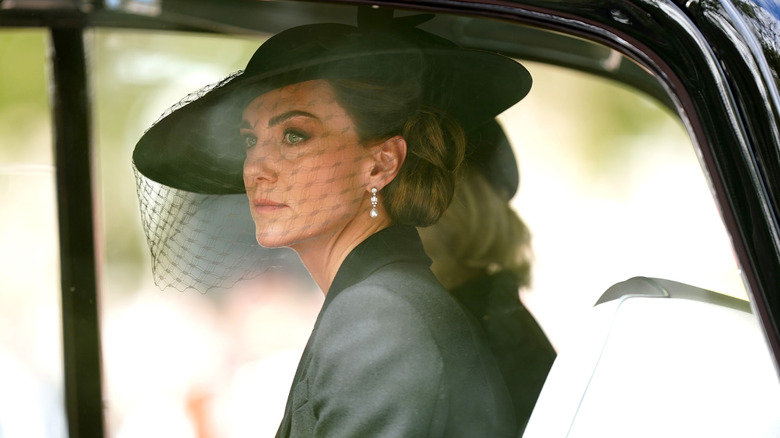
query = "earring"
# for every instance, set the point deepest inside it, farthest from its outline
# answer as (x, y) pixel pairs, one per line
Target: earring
(374, 200)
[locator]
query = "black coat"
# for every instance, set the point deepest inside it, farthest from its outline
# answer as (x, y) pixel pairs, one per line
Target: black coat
(522, 350)
(393, 354)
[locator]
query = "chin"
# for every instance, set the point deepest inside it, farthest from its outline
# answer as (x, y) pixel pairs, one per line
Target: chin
(277, 237)
(272, 234)
(283, 238)
(268, 239)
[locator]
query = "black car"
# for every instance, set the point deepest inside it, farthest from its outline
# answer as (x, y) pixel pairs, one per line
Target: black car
(649, 155)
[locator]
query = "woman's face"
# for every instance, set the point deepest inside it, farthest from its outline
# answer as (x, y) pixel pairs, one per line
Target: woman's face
(305, 171)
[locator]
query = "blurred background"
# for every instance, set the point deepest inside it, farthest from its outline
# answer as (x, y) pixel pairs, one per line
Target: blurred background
(610, 186)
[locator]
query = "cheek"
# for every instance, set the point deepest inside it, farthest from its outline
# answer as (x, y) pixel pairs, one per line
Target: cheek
(335, 187)
(247, 175)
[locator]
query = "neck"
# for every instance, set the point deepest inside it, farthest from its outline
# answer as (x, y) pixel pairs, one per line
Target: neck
(324, 255)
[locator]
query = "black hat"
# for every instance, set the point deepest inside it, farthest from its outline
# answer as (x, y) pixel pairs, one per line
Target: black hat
(491, 154)
(196, 147)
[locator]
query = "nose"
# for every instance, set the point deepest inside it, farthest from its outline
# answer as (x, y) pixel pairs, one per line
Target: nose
(260, 165)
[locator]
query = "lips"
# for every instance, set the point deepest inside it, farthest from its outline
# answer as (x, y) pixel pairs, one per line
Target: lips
(267, 206)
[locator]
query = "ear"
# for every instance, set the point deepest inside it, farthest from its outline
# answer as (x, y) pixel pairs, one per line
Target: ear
(389, 156)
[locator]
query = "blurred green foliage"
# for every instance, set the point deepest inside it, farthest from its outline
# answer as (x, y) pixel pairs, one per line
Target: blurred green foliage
(25, 124)
(604, 119)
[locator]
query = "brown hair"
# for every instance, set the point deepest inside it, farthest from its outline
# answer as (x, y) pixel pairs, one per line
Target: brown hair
(479, 234)
(425, 184)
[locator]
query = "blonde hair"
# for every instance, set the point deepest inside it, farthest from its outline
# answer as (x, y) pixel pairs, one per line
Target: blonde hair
(479, 234)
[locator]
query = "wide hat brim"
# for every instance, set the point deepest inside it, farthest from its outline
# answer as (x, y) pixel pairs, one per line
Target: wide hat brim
(493, 157)
(197, 146)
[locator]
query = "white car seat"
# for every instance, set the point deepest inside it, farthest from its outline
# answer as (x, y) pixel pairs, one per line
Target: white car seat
(662, 359)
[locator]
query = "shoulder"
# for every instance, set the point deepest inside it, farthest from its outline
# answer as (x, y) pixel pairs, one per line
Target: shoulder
(399, 335)
(372, 349)
(383, 309)
(396, 283)
(402, 310)
(406, 297)
(391, 325)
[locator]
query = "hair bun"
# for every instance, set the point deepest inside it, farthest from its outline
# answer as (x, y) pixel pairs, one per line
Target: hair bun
(424, 187)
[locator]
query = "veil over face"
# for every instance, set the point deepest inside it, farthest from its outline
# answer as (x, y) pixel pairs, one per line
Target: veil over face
(306, 170)
(194, 158)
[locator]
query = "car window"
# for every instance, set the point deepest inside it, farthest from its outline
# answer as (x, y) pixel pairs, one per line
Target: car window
(30, 321)
(610, 188)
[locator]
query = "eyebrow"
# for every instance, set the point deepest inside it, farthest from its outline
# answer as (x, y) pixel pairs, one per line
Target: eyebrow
(288, 115)
(278, 119)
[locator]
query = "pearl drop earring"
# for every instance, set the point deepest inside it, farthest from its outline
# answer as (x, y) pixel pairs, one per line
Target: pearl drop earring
(374, 200)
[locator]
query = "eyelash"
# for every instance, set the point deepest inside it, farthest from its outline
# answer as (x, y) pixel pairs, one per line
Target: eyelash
(288, 133)
(249, 138)
(291, 137)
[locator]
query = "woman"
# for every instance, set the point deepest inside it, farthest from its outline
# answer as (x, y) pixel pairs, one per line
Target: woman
(344, 139)
(484, 259)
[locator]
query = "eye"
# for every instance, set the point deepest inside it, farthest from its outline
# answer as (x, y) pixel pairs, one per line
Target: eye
(249, 140)
(292, 136)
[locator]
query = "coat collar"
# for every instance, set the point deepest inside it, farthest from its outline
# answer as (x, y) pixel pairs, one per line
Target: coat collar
(397, 243)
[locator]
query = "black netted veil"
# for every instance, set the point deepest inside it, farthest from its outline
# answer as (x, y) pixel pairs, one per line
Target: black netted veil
(202, 241)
